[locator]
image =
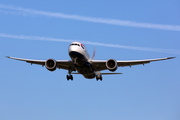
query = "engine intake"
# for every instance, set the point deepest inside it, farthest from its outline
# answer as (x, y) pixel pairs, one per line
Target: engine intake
(51, 64)
(111, 65)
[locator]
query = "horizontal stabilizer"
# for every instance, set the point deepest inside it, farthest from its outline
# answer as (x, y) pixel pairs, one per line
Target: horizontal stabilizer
(110, 73)
(103, 73)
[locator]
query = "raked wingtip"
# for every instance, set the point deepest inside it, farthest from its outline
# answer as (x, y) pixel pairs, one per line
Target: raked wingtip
(7, 56)
(171, 57)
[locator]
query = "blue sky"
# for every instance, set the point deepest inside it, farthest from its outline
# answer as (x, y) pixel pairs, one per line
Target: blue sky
(134, 30)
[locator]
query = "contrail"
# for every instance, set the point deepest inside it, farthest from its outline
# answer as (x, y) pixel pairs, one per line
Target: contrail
(26, 12)
(24, 37)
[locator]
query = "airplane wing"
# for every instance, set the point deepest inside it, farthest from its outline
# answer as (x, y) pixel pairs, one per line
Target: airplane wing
(99, 65)
(63, 64)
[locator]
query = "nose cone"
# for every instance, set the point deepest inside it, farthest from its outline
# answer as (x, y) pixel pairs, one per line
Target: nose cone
(74, 53)
(74, 46)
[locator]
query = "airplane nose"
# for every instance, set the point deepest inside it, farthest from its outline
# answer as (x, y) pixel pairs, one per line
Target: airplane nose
(74, 51)
(71, 48)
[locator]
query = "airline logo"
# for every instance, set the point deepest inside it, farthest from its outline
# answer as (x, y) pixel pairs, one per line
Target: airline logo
(82, 46)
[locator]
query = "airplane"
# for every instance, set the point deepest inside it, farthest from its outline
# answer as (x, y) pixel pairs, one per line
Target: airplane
(82, 63)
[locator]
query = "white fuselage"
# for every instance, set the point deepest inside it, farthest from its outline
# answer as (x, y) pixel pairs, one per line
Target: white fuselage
(81, 59)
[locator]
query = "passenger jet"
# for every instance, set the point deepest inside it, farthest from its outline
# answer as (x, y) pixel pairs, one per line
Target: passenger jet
(82, 63)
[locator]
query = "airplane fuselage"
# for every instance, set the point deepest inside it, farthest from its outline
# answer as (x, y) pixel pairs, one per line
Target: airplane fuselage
(81, 60)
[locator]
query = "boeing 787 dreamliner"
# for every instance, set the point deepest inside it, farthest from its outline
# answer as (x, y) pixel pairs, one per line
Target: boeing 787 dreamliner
(82, 63)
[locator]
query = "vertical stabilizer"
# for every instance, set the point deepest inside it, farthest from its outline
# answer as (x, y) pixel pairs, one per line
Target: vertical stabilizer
(93, 53)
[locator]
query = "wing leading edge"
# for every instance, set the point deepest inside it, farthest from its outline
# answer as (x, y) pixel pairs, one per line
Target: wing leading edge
(63, 64)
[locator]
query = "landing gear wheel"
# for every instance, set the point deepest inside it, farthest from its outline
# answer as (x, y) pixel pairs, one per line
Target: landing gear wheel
(99, 77)
(71, 77)
(67, 77)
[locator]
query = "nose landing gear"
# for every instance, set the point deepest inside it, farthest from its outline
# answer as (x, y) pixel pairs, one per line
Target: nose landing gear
(69, 76)
(99, 77)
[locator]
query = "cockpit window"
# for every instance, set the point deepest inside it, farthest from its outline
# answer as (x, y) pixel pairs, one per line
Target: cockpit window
(75, 44)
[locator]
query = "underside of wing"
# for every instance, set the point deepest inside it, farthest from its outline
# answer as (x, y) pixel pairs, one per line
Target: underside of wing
(39, 62)
(99, 65)
(63, 64)
(138, 62)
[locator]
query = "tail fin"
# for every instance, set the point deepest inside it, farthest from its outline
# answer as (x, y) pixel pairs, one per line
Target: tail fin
(93, 53)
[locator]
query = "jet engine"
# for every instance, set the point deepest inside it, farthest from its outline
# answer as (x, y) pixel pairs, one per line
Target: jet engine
(51, 64)
(111, 65)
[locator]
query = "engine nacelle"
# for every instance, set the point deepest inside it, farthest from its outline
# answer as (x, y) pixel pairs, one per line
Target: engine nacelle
(51, 64)
(111, 65)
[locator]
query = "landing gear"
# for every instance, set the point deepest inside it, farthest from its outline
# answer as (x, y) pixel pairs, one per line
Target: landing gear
(69, 77)
(99, 77)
